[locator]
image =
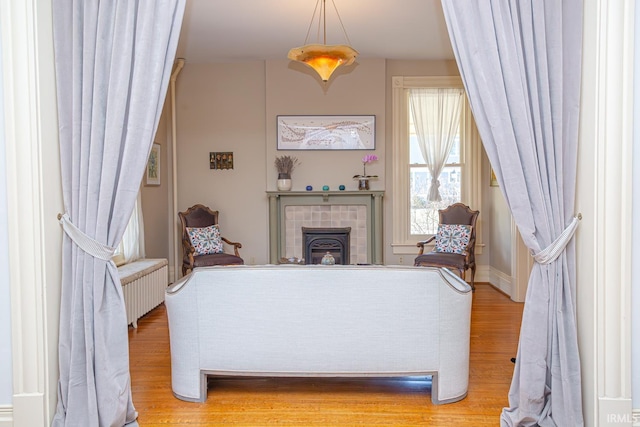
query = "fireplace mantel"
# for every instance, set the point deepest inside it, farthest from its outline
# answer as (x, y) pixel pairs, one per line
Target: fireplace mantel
(279, 200)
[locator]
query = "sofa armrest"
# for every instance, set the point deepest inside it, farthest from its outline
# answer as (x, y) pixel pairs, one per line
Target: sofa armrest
(183, 314)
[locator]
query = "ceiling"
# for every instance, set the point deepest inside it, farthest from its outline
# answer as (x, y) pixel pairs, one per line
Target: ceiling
(241, 30)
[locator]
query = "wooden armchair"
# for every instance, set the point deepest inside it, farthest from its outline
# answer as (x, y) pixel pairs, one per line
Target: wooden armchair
(199, 220)
(460, 259)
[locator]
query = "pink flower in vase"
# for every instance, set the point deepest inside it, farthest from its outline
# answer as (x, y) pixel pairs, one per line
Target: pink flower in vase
(363, 180)
(365, 160)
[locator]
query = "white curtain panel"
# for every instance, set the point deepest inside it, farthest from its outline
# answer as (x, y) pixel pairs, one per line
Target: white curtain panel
(113, 64)
(520, 61)
(436, 117)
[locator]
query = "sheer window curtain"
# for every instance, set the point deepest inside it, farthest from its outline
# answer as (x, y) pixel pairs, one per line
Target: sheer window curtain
(520, 63)
(436, 117)
(113, 63)
(133, 237)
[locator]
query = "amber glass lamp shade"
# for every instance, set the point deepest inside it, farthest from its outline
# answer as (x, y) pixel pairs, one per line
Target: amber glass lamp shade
(324, 59)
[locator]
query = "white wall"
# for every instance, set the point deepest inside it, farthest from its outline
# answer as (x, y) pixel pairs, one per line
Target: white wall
(5, 296)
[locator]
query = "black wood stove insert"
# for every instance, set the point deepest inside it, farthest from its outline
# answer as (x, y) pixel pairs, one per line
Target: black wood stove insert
(318, 241)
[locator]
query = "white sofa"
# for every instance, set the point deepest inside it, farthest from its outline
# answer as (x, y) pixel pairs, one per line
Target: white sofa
(330, 321)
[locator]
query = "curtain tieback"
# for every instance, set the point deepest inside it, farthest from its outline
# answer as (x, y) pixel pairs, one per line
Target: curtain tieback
(84, 242)
(553, 251)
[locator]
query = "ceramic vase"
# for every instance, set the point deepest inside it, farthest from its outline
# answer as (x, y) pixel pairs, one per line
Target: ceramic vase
(284, 182)
(328, 259)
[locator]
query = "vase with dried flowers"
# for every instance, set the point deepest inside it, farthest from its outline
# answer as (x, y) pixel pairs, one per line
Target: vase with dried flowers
(285, 165)
(363, 180)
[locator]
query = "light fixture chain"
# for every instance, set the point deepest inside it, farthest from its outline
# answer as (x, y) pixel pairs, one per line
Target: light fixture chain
(341, 24)
(313, 17)
(324, 21)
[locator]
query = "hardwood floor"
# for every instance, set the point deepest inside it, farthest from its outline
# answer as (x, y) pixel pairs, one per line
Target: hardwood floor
(495, 326)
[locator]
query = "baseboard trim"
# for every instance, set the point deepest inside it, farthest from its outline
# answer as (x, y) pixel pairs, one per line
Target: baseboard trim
(482, 274)
(6, 416)
(635, 415)
(500, 280)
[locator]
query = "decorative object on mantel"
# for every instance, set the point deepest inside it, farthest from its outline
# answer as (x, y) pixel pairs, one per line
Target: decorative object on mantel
(292, 260)
(323, 58)
(309, 188)
(363, 180)
(341, 187)
(328, 259)
(325, 188)
(285, 165)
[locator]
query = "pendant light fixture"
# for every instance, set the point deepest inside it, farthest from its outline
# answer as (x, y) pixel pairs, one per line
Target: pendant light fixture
(323, 58)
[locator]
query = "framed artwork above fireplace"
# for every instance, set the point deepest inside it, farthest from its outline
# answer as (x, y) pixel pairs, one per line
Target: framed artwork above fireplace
(326, 132)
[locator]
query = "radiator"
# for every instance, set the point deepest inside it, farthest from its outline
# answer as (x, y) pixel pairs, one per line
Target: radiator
(143, 284)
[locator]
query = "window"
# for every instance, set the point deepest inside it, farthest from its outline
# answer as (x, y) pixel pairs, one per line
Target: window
(415, 207)
(435, 161)
(131, 246)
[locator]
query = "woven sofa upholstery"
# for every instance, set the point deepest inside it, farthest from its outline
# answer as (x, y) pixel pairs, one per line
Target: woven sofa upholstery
(315, 320)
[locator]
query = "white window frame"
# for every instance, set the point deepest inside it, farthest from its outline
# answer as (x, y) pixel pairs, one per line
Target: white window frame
(403, 242)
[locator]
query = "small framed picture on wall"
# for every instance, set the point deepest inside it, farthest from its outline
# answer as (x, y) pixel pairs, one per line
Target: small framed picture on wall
(153, 166)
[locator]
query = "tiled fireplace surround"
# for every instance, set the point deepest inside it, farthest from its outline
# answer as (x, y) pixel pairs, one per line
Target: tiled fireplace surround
(361, 210)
